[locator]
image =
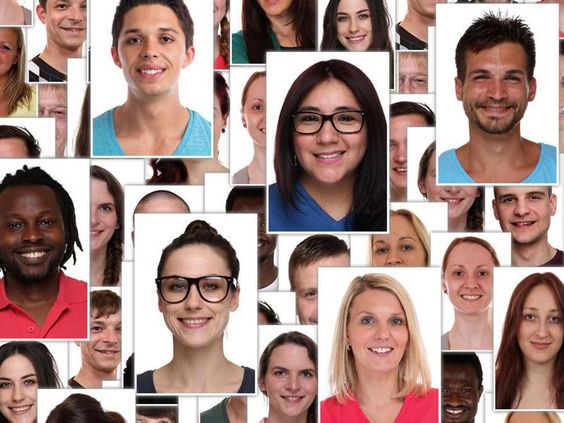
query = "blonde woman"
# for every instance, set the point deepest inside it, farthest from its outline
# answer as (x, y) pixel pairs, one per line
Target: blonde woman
(18, 99)
(378, 369)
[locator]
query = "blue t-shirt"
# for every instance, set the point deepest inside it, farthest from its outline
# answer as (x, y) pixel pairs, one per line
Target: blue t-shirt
(307, 217)
(452, 172)
(195, 142)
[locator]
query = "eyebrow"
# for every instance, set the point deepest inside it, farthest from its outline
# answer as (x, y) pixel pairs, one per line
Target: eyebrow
(486, 71)
(357, 12)
(511, 194)
(139, 30)
(336, 109)
(536, 309)
(23, 377)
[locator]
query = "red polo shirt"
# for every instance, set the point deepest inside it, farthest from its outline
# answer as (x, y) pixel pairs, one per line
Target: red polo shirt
(68, 317)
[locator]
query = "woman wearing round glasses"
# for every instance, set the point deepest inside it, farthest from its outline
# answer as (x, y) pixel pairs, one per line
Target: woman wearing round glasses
(197, 287)
(330, 153)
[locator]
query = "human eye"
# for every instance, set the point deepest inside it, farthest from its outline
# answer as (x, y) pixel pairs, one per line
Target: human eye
(342, 18)
(59, 113)
(167, 39)
(5, 384)
(480, 77)
(407, 248)
(6, 47)
(420, 81)
(133, 40)
(381, 250)
(366, 320)
(175, 285)
(46, 222)
(554, 319)
(529, 317)
(348, 117)
(466, 390)
(364, 16)
(96, 329)
(308, 373)
(457, 273)
(14, 226)
(108, 208)
(310, 294)
(210, 284)
(483, 273)
(396, 321)
(30, 381)
(279, 372)
(507, 200)
(513, 77)
(257, 106)
(393, 145)
(308, 118)
(61, 6)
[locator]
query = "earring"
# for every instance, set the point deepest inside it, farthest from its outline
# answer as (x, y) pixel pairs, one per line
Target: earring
(223, 130)
(349, 347)
(295, 161)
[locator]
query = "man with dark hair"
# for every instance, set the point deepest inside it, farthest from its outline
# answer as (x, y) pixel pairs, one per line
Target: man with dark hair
(152, 43)
(156, 414)
(526, 212)
(403, 115)
(245, 199)
(38, 234)
(495, 62)
(16, 142)
(310, 254)
(461, 387)
(411, 31)
(65, 22)
(100, 355)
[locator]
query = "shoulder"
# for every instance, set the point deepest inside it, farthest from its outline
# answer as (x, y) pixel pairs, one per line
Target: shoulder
(424, 408)
(104, 142)
(73, 289)
(334, 411)
(239, 48)
(145, 383)
(450, 170)
(197, 138)
(545, 172)
(241, 176)
(248, 382)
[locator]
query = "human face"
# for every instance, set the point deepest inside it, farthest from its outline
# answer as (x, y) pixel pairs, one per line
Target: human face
(275, 8)
(254, 112)
(32, 233)
(290, 381)
(398, 147)
(468, 278)
(195, 322)
(102, 353)
(413, 74)
(266, 243)
(354, 25)
(423, 8)
(458, 198)
(8, 50)
(143, 419)
(541, 328)
(219, 11)
(103, 216)
(401, 247)
(495, 91)
(219, 120)
(329, 157)
(18, 389)
(460, 393)
(53, 104)
(377, 332)
(13, 148)
(525, 212)
(305, 285)
(152, 51)
(65, 22)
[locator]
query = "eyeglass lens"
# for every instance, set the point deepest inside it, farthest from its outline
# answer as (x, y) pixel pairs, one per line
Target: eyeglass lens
(210, 288)
(345, 122)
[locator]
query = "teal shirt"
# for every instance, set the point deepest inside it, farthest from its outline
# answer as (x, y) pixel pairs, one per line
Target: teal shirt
(239, 47)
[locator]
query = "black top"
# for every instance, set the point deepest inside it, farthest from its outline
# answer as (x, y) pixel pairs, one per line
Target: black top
(74, 384)
(407, 41)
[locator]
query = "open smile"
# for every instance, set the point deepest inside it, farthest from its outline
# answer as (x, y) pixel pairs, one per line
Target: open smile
(381, 350)
(195, 322)
(329, 157)
(356, 39)
(454, 411)
(523, 224)
(19, 410)
(469, 297)
(452, 201)
(293, 399)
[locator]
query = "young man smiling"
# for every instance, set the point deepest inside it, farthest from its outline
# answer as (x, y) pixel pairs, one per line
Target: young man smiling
(65, 22)
(152, 43)
(495, 62)
(102, 354)
(38, 235)
(526, 213)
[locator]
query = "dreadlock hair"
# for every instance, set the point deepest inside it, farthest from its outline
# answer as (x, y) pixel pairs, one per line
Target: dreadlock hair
(37, 176)
(114, 249)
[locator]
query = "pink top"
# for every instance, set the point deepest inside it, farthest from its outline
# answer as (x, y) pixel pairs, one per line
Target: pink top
(67, 318)
(220, 63)
(423, 409)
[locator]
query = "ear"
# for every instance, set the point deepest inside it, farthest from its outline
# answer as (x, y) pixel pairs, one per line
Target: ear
(495, 210)
(552, 204)
(160, 302)
(234, 300)
(189, 56)
(532, 89)
(40, 13)
(115, 57)
(458, 88)
(133, 237)
(262, 386)
(77, 343)
(445, 290)
(243, 120)
(421, 186)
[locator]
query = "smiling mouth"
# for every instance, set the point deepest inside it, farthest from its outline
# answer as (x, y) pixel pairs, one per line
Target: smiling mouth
(293, 399)
(73, 29)
(523, 224)
(471, 297)
(108, 352)
(21, 409)
(453, 411)
(151, 72)
(356, 39)
(400, 169)
(381, 350)
(452, 201)
(34, 254)
(328, 156)
(540, 345)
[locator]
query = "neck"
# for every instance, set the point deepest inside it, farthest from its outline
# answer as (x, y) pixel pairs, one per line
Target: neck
(257, 167)
(457, 224)
(417, 24)
(539, 375)
(29, 294)
(237, 409)
(471, 331)
(398, 194)
(267, 272)
(197, 168)
(532, 254)
(283, 28)
(92, 378)
(335, 199)
(97, 266)
(377, 389)
(57, 57)
(275, 416)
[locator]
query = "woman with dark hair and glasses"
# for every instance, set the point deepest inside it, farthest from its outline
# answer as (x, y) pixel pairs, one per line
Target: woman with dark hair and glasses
(330, 153)
(197, 287)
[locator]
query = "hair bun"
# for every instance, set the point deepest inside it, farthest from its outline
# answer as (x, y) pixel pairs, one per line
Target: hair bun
(199, 226)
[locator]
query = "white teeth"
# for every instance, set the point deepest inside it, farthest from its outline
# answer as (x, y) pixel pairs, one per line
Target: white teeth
(20, 409)
(381, 350)
(453, 411)
(522, 223)
(471, 297)
(34, 254)
(329, 156)
(194, 321)
(356, 39)
(453, 200)
(151, 71)
(401, 169)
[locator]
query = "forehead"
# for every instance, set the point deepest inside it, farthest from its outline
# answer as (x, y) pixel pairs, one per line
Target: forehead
(161, 204)
(502, 57)
(407, 121)
(52, 95)
(148, 17)
(413, 63)
(462, 251)
(541, 296)
(257, 89)
(248, 204)
(330, 94)
(519, 191)
(195, 259)
(9, 35)
(377, 299)
(95, 314)
(16, 365)
(290, 355)
(13, 147)
(459, 371)
(40, 195)
(351, 6)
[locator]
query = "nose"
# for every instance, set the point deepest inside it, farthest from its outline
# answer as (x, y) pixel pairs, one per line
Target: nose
(292, 383)
(400, 155)
(405, 85)
(149, 48)
(542, 329)
(452, 398)
(327, 133)
(193, 300)
(77, 13)
(521, 208)
(17, 393)
(353, 27)
(32, 233)
(394, 259)
(470, 282)
(381, 331)
(93, 217)
(113, 336)
(497, 89)
(452, 189)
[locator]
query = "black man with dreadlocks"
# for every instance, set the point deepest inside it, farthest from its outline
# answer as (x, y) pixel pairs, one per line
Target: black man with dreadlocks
(38, 234)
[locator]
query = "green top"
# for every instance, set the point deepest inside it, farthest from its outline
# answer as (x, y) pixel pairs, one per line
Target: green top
(239, 47)
(216, 414)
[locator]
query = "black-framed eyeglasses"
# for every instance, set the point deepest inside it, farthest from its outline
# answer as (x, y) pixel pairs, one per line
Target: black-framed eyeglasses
(212, 288)
(345, 122)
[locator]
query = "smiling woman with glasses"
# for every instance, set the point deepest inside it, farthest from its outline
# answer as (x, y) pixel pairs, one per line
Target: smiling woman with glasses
(330, 153)
(198, 289)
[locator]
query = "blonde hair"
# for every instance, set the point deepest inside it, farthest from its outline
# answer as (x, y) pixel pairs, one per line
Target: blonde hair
(419, 57)
(413, 374)
(418, 227)
(58, 90)
(17, 92)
